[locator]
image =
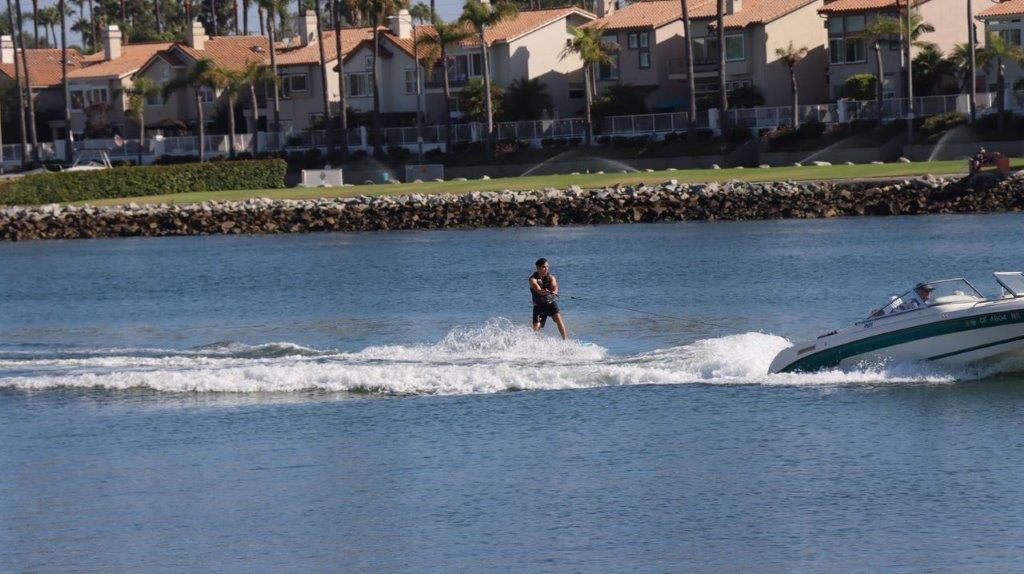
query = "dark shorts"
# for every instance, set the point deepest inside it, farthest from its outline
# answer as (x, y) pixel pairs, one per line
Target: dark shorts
(543, 311)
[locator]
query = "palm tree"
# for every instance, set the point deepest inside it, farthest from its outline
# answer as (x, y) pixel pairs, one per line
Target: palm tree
(791, 56)
(1000, 49)
(691, 132)
(886, 29)
(231, 83)
(202, 75)
(142, 89)
(723, 97)
(420, 13)
(961, 60)
(375, 12)
(69, 140)
(325, 90)
(158, 15)
(16, 36)
(28, 90)
(343, 98)
(271, 8)
(256, 73)
(445, 34)
(481, 16)
(527, 99)
(35, 21)
(245, 16)
(48, 18)
(587, 43)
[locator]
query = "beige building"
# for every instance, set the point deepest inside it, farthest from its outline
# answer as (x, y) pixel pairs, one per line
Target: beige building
(44, 66)
(528, 46)
(1005, 19)
(652, 49)
(850, 54)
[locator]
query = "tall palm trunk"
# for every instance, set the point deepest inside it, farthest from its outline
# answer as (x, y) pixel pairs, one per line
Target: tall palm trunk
(69, 140)
(273, 67)
(1000, 95)
(93, 26)
(588, 98)
(142, 132)
(378, 148)
(325, 91)
(447, 100)
(201, 127)
(489, 135)
(723, 97)
(796, 96)
(342, 107)
(33, 137)
(17, 84)
(245, 17)
(238, 23)
(231, 125)
(158, 12)
(259, 12)
(35, 22)
(691, 82)
(124, 12)
(881, 77)
(213, 17)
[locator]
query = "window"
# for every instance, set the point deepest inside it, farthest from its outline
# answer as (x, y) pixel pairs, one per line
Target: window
(645, 50)
(359, 85)
(410, 81)
(206, 94)
(368, 63)
(299, 83)
(705, 50)
(734, 48)
(86, 97)
(845, 46)
(633, 41)
(576, 91)
(464, 67)
(1011, 36)
(154, 99)
(610, 70)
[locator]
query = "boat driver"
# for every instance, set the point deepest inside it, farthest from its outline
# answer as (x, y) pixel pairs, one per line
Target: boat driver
(923, 291)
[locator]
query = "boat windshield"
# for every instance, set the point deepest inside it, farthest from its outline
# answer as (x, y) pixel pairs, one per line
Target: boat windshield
(1012, 282)
(929, 294)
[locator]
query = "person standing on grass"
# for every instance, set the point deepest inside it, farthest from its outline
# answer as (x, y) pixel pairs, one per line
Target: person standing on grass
(544, 289)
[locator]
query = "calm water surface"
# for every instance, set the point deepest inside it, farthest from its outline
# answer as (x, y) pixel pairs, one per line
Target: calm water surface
(377, 403)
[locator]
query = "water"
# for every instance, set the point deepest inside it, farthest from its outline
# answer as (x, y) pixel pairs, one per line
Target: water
(376, 402)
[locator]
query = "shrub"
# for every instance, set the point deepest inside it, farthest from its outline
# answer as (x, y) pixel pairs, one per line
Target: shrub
(603, 140)
(810, 130)
(860, 87)
(138, 181)
(936, 124)
(737, 134)
(175, 159)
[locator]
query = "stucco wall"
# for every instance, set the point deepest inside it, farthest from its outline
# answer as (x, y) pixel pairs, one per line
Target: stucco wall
(804, 28)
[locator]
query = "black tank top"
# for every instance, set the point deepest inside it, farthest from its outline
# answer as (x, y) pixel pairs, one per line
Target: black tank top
(546, 283)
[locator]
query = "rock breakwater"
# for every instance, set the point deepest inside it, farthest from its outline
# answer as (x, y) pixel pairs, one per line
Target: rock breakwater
(668, 201)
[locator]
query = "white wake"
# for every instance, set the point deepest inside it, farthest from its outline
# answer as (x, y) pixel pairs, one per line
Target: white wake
(492, 358)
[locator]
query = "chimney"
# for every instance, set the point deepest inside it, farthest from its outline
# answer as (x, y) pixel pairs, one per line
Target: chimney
(401, 25)
(733, 6)
(196, 36)
(307, 28)
(111, 43)
(605, 7)
(6, 50)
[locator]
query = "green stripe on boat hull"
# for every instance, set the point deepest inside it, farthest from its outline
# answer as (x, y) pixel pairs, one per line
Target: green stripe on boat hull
(830, 358)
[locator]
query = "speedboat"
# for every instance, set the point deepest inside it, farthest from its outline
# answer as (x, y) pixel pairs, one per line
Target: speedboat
(947, 322)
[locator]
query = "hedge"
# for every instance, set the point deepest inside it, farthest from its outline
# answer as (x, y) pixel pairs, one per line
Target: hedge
(61, 187)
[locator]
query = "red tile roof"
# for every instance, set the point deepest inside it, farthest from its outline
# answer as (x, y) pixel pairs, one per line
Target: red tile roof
(44, 65)
(657, 13)
(231, 51)
(133, 56)
(842, 6)
(1008, 8)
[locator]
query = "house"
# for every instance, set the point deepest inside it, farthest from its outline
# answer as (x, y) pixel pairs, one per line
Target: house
(1004, 19)
(652, 49)
(527, 46)
(44, 66)
(850, 54)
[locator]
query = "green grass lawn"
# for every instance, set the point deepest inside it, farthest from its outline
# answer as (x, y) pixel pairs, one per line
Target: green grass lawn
(584, 180)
